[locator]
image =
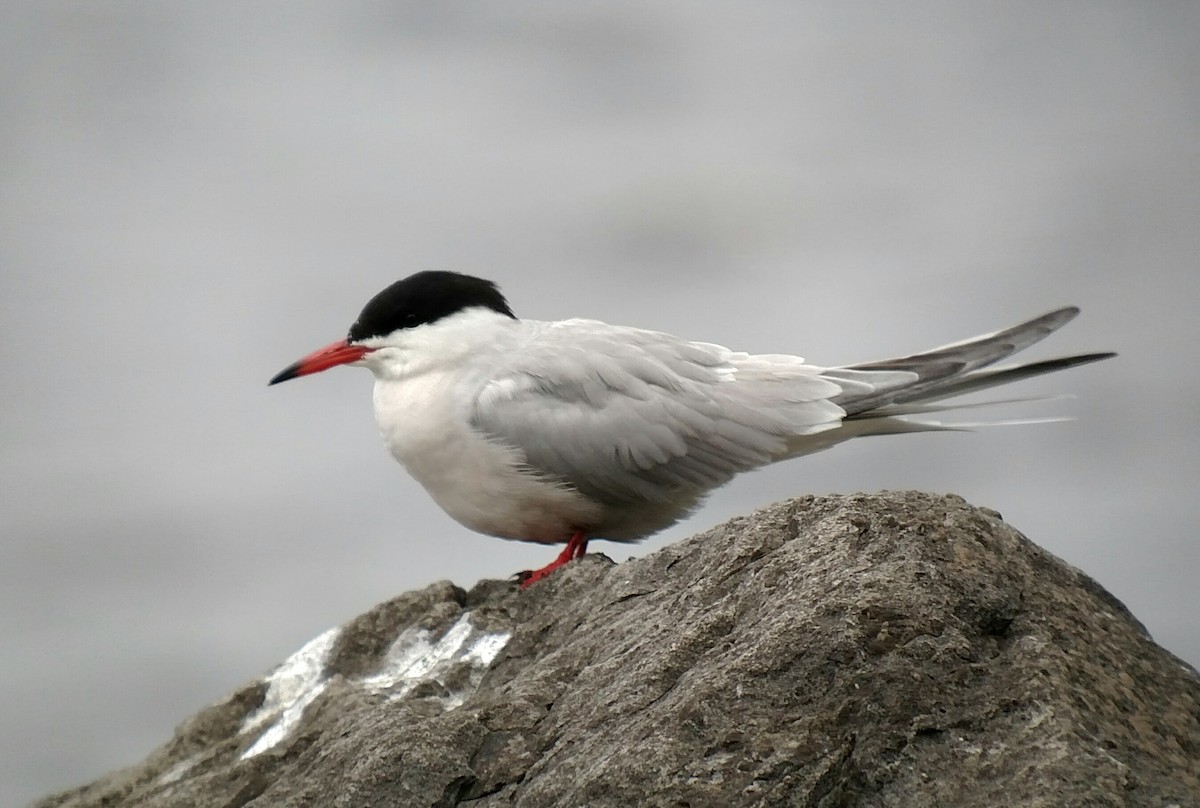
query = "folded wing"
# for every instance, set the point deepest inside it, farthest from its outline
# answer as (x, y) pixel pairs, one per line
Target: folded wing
(623, 414)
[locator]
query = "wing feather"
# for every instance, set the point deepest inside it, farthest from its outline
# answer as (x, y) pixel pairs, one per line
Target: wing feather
(623, 414)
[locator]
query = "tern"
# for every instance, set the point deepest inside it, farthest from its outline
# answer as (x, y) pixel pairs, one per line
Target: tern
(555, 432)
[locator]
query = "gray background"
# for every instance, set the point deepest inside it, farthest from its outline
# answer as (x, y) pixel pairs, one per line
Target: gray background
(194, 195)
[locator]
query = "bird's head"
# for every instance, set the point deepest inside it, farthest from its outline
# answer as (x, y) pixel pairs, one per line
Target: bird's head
(390, 318)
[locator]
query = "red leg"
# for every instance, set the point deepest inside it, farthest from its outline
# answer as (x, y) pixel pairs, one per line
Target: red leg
(576, 548)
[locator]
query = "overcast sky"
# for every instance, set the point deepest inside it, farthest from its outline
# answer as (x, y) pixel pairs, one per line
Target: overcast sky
(197, 194)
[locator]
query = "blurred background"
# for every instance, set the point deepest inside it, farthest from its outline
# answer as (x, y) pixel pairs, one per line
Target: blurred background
(196, 194)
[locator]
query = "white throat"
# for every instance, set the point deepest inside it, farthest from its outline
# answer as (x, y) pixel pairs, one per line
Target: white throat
(427, 380)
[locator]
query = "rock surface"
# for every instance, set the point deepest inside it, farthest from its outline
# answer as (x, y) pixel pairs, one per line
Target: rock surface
(898, 649)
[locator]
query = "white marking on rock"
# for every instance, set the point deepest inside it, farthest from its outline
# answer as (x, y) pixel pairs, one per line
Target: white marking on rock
(290, 688)
(414, 659)
(177, 771)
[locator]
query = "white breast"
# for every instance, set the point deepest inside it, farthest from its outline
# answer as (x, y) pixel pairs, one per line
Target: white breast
(424, 420)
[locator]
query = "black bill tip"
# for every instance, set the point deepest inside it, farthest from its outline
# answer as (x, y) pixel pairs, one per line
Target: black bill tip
(290, 372)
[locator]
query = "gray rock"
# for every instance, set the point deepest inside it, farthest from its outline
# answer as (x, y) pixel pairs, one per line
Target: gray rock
(898, 649)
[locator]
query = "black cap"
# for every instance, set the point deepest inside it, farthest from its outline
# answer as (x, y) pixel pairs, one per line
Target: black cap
(425, 298)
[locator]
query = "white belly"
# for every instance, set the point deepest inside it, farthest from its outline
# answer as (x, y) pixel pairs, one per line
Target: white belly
(477, 481)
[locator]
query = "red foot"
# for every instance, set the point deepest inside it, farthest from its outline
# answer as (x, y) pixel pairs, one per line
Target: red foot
(575, 548)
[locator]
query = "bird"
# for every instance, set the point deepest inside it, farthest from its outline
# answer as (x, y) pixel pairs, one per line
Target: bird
(564, 431)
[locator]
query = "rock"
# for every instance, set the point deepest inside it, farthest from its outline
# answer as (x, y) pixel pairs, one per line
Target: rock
(898, 649)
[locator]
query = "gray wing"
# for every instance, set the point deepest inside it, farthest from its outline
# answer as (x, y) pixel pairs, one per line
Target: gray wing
(623, 414)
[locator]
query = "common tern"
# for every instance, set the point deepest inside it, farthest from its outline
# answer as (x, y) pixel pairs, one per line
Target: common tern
(556, 432)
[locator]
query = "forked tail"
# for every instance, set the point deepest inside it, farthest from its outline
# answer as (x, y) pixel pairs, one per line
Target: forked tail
(907, 385)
